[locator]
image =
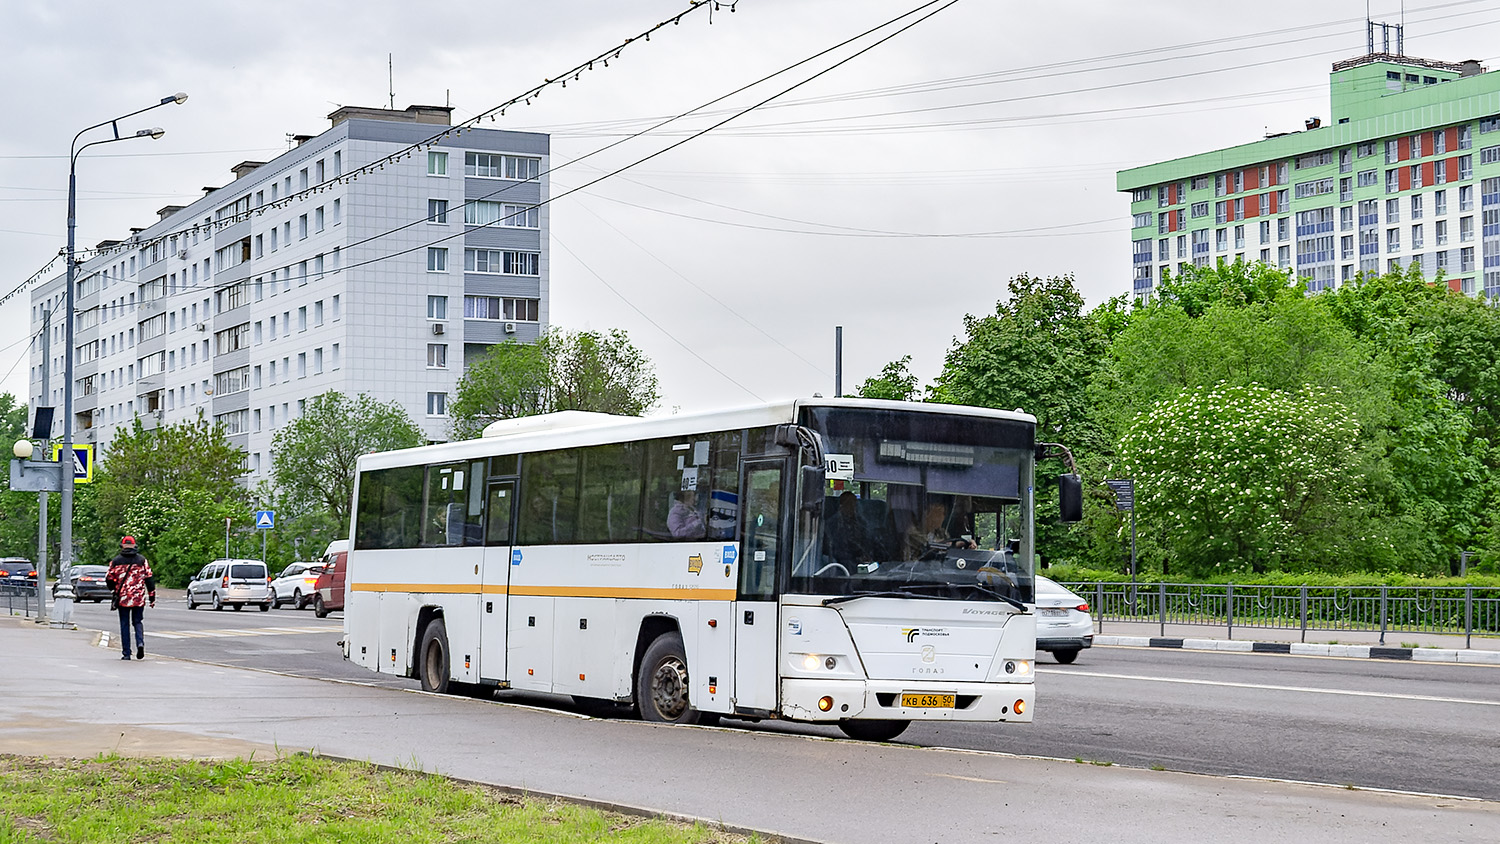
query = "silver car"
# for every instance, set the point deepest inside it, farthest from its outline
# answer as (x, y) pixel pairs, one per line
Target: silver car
(1063, 624)
(231, 583)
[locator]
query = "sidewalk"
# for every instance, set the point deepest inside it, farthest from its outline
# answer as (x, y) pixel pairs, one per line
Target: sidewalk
(1421, 647)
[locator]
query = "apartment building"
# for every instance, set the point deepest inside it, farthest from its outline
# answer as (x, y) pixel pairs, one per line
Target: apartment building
(1406, 171)
(377, 257)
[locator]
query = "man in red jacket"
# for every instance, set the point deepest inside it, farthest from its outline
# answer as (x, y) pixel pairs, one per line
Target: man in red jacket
(134, 584)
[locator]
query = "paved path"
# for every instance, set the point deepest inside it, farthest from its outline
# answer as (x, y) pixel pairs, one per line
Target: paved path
(803, 788)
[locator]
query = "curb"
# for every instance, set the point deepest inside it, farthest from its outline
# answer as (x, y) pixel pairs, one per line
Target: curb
(1469, 657)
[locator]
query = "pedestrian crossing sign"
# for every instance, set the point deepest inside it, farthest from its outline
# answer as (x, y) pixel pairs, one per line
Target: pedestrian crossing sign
(83, 461)
(265, 519)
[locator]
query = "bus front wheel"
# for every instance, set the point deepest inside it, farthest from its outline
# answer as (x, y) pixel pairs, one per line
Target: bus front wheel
(432, 657)
(661, 687)
(873, 729)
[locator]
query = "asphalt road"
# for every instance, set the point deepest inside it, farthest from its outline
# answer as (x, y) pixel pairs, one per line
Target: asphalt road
(1408, 726)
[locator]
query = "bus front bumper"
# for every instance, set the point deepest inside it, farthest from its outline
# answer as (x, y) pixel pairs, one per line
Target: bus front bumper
(884, 699)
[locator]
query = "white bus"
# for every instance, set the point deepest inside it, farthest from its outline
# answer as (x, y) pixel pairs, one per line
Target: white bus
(858, 562)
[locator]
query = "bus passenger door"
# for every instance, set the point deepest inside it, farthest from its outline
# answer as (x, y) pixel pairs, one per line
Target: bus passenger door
(495, 584)
(756, 622)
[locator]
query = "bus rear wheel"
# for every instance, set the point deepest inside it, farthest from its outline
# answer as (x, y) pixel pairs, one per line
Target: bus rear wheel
(873, 729)
(433, 662)
(661, 686)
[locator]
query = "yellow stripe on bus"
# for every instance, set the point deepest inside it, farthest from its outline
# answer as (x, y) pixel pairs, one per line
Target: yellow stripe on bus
(552, 591)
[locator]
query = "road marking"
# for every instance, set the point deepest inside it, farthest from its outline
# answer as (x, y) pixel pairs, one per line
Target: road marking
(236, 632)
(969, 779)
(1307, 689)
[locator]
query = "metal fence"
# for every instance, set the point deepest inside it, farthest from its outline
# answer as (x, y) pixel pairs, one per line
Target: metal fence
(1452, 610)
(17, 601)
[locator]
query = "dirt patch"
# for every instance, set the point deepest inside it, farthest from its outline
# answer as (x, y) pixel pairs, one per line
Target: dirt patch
(28, 735)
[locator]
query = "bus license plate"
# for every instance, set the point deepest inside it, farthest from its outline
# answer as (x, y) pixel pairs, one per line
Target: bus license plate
(918, 701)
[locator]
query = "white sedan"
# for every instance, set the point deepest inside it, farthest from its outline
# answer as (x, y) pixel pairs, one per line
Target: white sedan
(295, 584)
(1063, 624)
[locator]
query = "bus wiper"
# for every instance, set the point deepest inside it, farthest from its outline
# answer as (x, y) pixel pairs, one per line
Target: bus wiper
(828, 602)
(1006, 598)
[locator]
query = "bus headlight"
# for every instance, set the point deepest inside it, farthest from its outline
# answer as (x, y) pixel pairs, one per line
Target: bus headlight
(1020, 667)
(810, 662)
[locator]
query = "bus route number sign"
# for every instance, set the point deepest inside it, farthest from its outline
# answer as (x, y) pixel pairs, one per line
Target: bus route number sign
(838, 467)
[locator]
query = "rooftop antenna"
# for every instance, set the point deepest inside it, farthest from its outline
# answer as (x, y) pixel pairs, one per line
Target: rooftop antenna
(390, 70)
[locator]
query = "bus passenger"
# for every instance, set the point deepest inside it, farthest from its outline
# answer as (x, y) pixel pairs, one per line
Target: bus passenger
(684, 520)
(846, 538)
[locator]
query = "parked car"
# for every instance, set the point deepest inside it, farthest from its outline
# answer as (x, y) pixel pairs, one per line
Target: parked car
(1063, 624)
(17, 575)
(231, 583)
(88, 583)
(330, 586)
(295, 585)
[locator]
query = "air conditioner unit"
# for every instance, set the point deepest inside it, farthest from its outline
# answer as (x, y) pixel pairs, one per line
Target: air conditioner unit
(202, 326)
(182, 254)
(437, 328)
(510, 328)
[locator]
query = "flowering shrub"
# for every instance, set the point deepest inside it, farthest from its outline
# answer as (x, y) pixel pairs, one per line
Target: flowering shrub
(1249, 478)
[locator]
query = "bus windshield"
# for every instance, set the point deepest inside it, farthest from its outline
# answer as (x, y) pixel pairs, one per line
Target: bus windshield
(922, 504)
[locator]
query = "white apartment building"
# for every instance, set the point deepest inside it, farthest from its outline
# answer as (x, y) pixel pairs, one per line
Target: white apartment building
(311, 272)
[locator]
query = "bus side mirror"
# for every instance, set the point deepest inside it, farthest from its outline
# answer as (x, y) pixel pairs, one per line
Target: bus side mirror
(813, 480)
(1070, 497)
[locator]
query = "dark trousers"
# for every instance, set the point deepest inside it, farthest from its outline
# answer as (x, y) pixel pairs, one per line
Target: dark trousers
(131, 617)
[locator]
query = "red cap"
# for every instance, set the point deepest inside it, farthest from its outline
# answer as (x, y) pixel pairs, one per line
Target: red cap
(127, 542)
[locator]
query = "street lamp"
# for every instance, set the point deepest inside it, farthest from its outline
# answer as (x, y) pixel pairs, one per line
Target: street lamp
(62, 610)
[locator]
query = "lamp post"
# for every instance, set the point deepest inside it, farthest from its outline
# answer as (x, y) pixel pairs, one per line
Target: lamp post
(62, 611)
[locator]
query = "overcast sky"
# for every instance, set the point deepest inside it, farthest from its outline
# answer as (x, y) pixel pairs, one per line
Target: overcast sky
(892, 195)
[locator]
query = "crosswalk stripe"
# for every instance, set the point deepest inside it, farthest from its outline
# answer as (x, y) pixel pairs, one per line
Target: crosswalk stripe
(236, 632)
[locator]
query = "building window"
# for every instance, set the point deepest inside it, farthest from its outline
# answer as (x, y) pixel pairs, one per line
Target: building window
(437, 404)
(1284, 256)
(1265, 232)
(1393, 240)
(1367, 178)
(334, 306)
(318, 361)
(302, 227)
(437, 163)
(1440, 231)
(499, 307)
(437, 259)
(1393, 210)
(1346, 160)
(1465, 229)
(496, 166)
(302, 318)
(1392, 181)
(437, 356)
(1465, 139)
(1239, 237)
(1162, 196)
(1199, 209)
(1466, 259)
(302, 364)
(437, 210)
(1140, 194)
(1416, 206)
(1466, 198)
(1416, 236)
(318, 312)
(1346, 218)
(506, 262)
(510, 215)
(1465, 167)
(437, 307)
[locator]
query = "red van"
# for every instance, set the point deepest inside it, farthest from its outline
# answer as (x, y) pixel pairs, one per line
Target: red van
(330, 585)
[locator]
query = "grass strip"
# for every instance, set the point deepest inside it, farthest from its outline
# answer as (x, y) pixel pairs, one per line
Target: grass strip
(294, 798)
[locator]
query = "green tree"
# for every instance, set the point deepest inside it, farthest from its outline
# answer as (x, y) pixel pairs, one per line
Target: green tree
(18, 516)
(895, 382)
(170, 487)
(314, 455)
(585, 370)
(1244, 477)
(1037, 352)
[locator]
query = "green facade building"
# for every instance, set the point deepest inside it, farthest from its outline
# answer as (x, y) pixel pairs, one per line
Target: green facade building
(1406, 171)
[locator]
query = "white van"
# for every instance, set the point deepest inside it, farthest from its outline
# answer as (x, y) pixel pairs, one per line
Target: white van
(232, 583)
